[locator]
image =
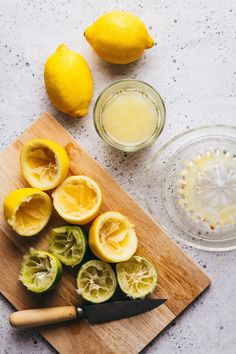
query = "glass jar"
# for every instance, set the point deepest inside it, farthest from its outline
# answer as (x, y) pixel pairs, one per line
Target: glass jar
(132, 94)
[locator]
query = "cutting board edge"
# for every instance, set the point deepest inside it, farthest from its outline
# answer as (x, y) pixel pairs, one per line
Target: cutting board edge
(177, 317)
(47, 115)
(204, 277)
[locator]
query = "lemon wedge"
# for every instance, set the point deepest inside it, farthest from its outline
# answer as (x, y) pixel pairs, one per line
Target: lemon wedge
(44, 163)
(112, 237)
(27, 210)
(78, 199)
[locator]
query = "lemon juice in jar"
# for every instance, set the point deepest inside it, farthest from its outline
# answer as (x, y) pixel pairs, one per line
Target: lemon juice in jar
(129, 115)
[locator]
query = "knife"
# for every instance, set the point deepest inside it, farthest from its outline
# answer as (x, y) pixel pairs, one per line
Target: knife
(98, 313)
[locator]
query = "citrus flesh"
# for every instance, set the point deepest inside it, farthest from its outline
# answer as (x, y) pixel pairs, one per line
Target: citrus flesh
(136, 277)
(78, 199)
(112, 237)
(68, 244)
(44, 163)
(40, 271)
(27, 210)
(96, 281)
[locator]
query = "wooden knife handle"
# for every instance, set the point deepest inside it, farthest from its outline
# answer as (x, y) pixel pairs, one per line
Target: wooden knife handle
(44, 316)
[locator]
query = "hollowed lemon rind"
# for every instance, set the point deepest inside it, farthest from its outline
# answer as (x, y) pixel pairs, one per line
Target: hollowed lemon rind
(15, 200)
(61, 161)
(86, 217)
(56, 270)
(126, 286)
(81, 274)
(78, 236)
(101, 251)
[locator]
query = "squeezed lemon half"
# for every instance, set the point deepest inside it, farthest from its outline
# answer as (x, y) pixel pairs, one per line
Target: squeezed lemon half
(40, 271)
(136, 277)
(112, 237)
(68, 244)
(96, 281)
(78, 199)
(27, 210)
(44, 163)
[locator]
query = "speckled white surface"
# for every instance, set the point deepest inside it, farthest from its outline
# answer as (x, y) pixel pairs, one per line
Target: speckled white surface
(192, 66)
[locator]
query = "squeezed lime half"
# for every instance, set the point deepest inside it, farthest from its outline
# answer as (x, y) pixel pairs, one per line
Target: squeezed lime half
(68, 244)
(136, 277)
(96, 281)
(40, 271)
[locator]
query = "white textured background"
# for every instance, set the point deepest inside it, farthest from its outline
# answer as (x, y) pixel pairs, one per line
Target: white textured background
(193, 66)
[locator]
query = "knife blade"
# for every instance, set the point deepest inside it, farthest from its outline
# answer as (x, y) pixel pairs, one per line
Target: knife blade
(117, 310)
(98, 313)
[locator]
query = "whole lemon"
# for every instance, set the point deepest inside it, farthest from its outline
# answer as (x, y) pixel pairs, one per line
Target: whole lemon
(68, 81)
(119, 37)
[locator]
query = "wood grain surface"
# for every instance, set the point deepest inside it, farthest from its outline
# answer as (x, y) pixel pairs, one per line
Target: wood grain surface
(180, 280)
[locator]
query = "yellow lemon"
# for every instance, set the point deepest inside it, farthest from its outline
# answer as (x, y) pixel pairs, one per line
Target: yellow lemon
(44, 163)
(78, 199)
(68, 81)
(119, 37)
(112, 237)
(27, 210)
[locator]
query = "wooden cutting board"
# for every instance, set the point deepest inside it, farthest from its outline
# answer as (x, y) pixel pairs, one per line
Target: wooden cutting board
(180, 280)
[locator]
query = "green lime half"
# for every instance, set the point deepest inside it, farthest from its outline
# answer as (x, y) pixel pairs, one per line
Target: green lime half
(136, 277)
(68, 243)
(40, 271)
(96, 281)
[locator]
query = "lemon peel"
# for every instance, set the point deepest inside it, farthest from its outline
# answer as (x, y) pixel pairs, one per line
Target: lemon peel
(78, 199)
(112, 237)
(27, 210)
(68, 81)
(44, 163)
(119, 37)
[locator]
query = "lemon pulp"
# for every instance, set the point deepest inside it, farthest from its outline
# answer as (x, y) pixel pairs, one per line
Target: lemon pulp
(40, 271)
(78, 199)
(30, 214)
(44, 163)
(112, 237)
(27, 210)
(137, 277)
(96, 281)
(206, 188)
(68, 243)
